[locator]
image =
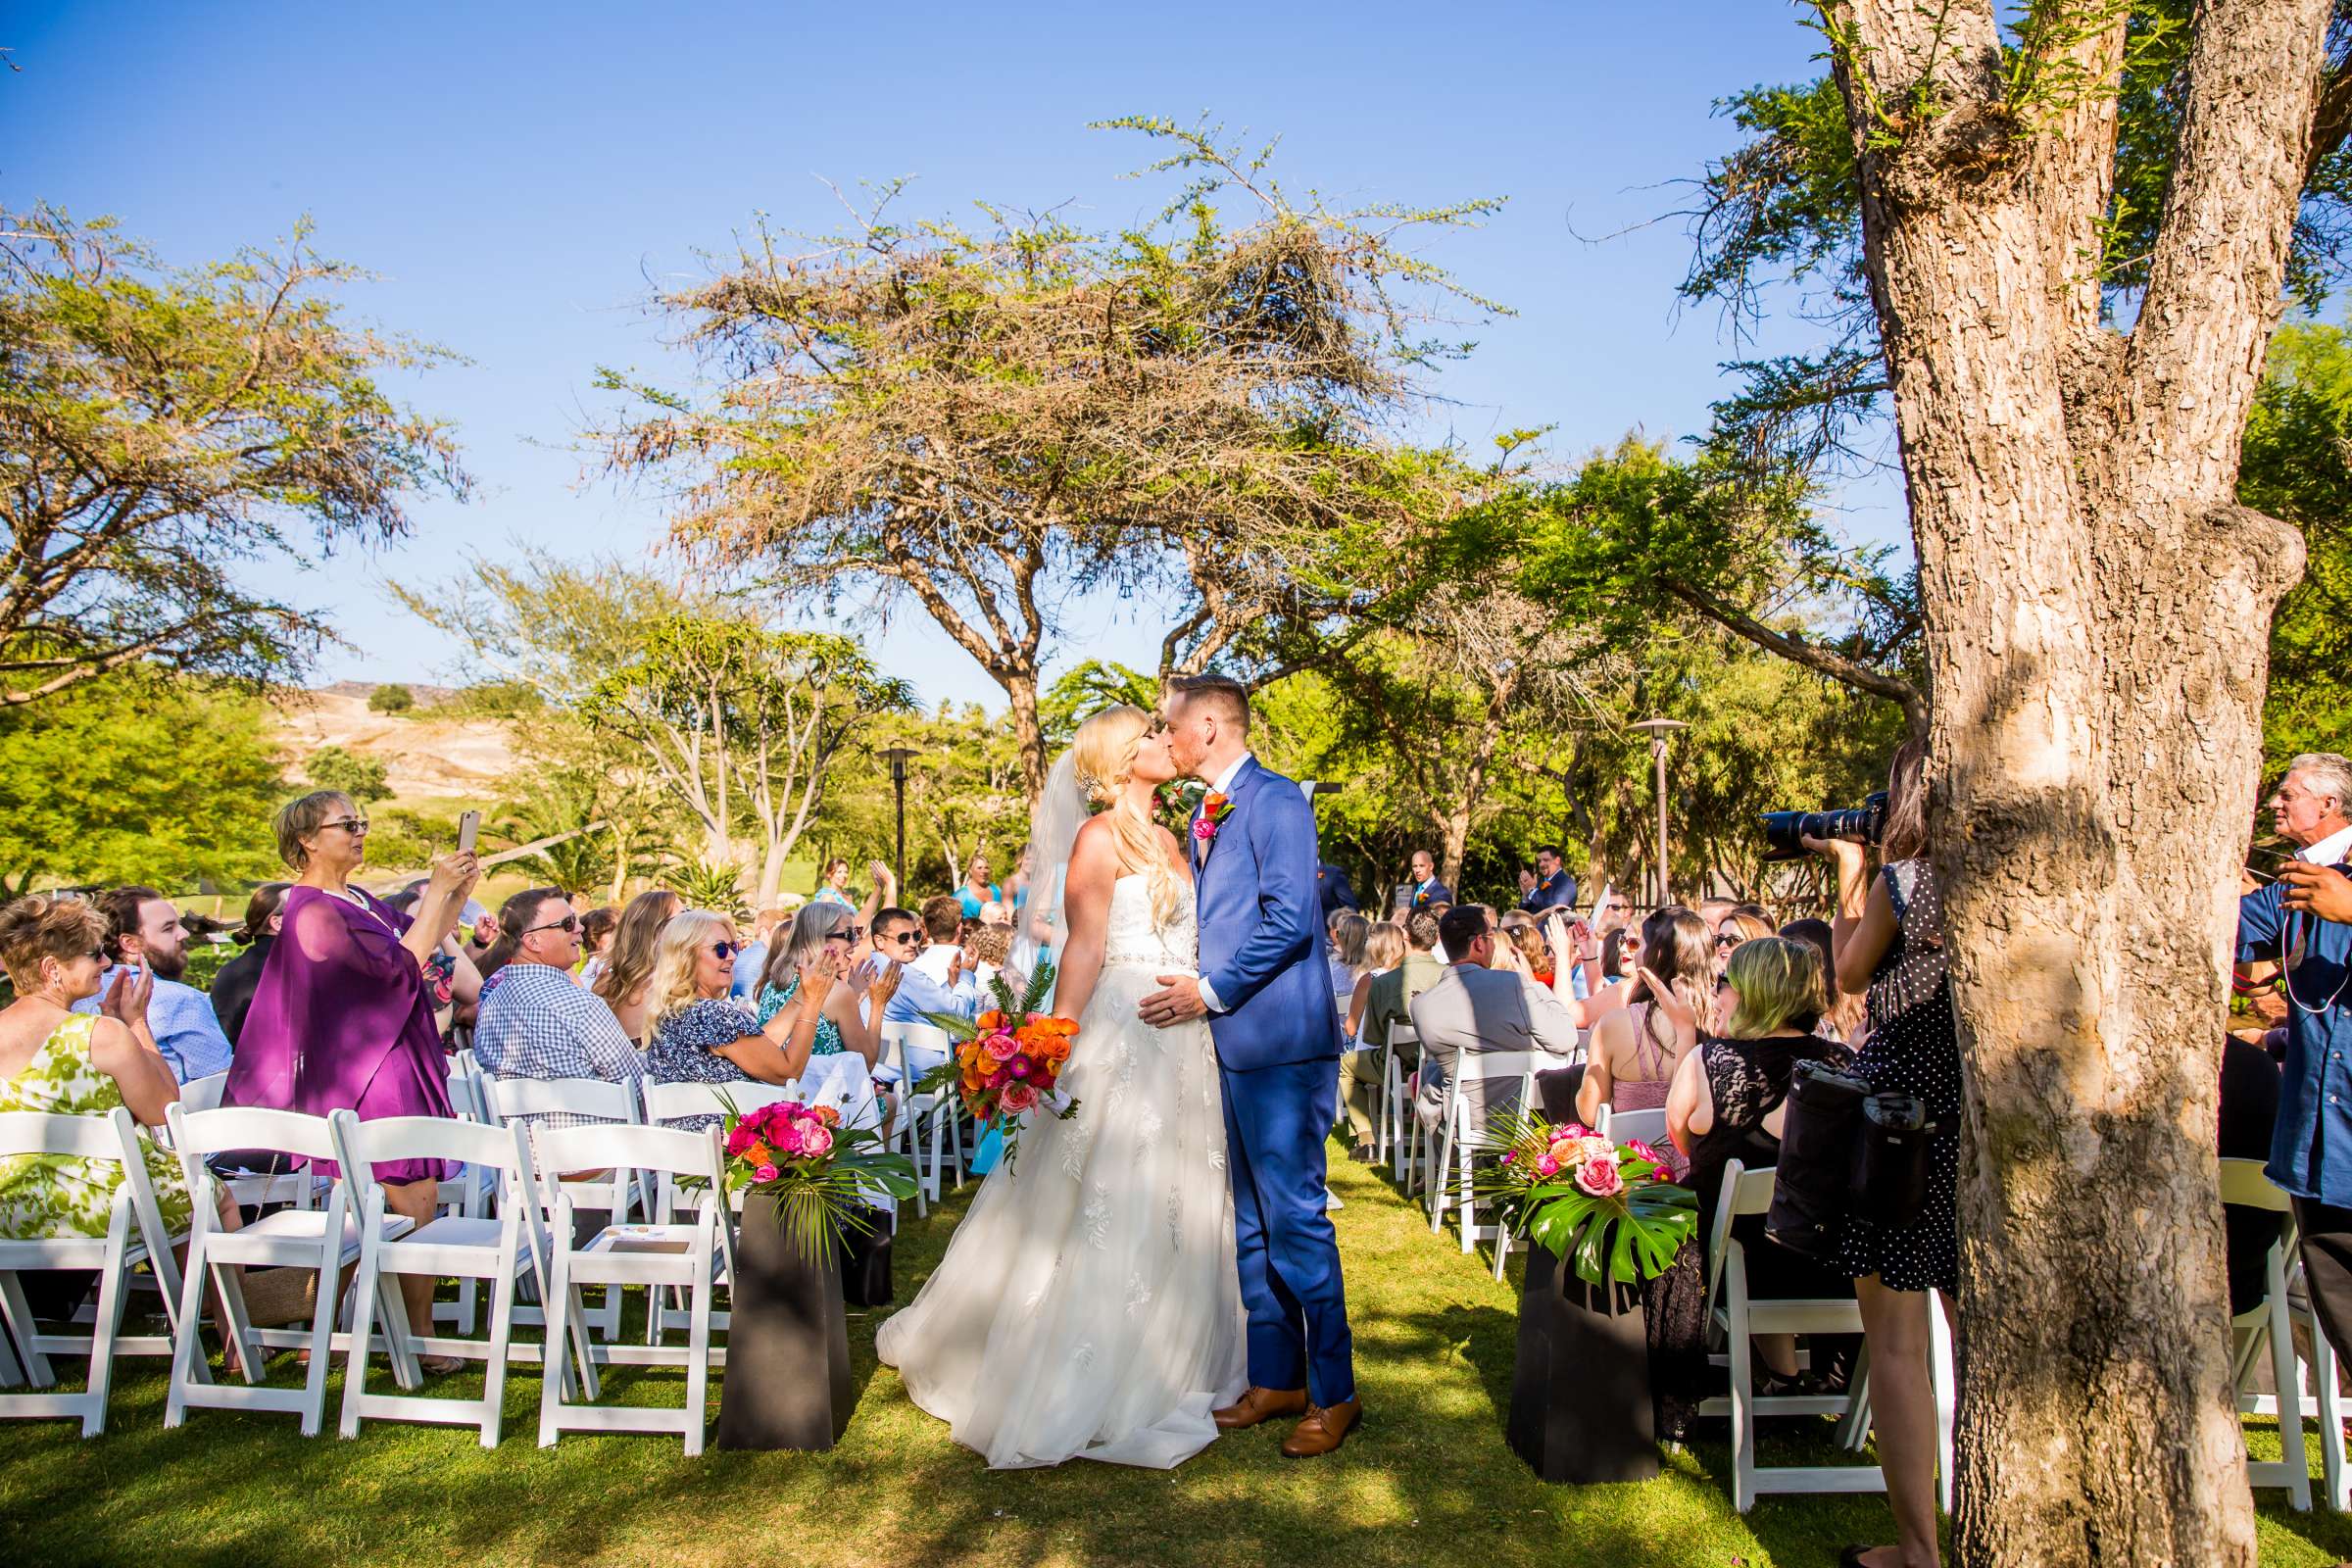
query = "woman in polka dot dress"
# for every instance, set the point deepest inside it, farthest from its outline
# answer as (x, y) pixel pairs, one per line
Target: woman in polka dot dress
(1888, 938)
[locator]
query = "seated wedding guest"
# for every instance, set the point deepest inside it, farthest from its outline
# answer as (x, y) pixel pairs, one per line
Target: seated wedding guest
(1848, 1019)
(990, 949)
(2249, 1115)
(1636, 1049)
(233, 986)
(143, 931)
(977, 889)
(1473, 1009)
(898, 939)
(629, 967)
(1620, 955)
(1345, 953)
(850, 1015)
(833, 885)
(1388, 996)
(1428, 893)
(943, 937)
(1360, 1086)
(1728, 1101)
(343, 1018)
(66, 1062)
(1742, 922)
(754, 958)
(596, 938)
(702, 1034)
(536, 1021)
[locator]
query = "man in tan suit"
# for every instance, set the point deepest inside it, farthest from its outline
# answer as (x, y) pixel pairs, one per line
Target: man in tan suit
(1475, 1010)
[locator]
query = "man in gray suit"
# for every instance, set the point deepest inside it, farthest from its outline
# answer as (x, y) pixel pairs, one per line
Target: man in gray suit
(1475, 1008)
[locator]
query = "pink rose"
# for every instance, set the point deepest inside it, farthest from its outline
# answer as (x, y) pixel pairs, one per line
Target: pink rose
(816, 1140)
(1511, 1156)
(1001, 1047)
(1641, 1151)
(1599, 1177)
(1205, 829)
(1547, 1167)
(1575, 1129)
(740, 1139)
(765, 1173)
(1020, 1096)
(785, 1136)
(1595, 1148)
(997, 1079)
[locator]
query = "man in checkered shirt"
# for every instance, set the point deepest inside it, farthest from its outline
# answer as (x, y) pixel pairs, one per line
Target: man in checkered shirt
(536, 1021)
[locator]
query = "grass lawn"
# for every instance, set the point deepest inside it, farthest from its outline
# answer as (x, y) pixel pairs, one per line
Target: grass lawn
(1427, 1480)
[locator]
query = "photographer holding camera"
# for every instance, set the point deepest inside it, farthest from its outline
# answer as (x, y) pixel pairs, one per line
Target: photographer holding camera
(1888, 943)
(2303, 923)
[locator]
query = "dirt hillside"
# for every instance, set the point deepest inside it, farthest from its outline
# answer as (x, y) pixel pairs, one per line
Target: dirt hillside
(426, 758)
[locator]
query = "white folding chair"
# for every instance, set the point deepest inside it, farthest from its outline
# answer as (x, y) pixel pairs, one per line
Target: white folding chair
(252, 1188)
(1624, 1126)
(322, 1240)
(1732, 1317)
(2270, 1325)
(504, 1251)
(937, 1120)
(134, 1233)
(689, 1253)
(518, 1100)
(1402, 1133)
(665, 1104)
(1450, 1184)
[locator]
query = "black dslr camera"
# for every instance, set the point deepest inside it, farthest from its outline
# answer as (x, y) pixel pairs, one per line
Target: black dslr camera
(1785, 832)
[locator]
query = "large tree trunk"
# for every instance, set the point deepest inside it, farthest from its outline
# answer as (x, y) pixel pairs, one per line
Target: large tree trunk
(1020, 688)
(2097, 617)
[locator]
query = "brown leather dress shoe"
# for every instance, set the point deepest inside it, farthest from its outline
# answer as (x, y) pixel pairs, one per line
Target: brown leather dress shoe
(1325, 1428)
(1259, 1405)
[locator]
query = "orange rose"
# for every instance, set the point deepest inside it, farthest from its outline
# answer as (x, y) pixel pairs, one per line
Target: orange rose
(759, 1155)
(826, 1115)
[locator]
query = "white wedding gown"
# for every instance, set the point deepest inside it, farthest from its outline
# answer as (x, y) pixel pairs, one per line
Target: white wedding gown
(1088, 1306)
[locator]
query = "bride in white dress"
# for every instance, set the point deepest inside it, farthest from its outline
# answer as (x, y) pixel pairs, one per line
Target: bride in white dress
(1088, 1306)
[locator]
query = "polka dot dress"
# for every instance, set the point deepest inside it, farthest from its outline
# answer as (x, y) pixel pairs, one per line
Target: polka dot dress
(1914, 1048)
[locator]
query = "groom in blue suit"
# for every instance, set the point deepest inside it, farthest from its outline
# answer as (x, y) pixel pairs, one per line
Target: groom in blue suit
(1265, 988)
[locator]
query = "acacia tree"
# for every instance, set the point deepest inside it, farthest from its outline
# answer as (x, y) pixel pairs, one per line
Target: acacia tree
(2095, 602)
(982, 422)
(742, 724)
(160, 429)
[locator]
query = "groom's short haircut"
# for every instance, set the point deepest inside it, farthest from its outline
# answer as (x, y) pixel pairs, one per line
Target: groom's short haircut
(943, 917)
(1460, 926)
(1228, 698)
(1421, 930)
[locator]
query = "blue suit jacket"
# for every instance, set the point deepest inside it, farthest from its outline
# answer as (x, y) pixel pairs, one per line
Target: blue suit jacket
(1261, 928)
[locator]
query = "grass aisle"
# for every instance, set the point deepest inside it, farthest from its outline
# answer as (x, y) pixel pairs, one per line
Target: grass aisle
(1428, 1480)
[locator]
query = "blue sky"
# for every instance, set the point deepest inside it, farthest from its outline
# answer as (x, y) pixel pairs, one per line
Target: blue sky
(517, 173)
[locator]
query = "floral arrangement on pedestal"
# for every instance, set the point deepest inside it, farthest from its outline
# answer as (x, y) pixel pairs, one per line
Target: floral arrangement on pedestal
(1605, 1209)
(1008, 1059)
(820, 1173)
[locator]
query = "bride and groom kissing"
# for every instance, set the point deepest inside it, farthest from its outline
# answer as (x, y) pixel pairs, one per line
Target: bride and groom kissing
(1158, 1267)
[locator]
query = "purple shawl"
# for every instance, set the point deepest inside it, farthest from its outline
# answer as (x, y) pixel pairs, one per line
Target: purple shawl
(340, 1020)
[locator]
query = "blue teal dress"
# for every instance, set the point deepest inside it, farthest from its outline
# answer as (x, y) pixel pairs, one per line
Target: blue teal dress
(775, 999)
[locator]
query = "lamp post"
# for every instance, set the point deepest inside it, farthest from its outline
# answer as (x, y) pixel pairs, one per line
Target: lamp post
(898, 755)
(1659, 729)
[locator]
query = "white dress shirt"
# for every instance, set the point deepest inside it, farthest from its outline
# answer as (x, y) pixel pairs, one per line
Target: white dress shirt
(2333, 849)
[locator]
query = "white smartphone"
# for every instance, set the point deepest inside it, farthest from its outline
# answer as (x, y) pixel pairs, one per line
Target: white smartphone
(469, 825)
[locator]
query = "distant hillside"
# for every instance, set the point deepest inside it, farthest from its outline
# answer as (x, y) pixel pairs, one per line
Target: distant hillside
(426, 758)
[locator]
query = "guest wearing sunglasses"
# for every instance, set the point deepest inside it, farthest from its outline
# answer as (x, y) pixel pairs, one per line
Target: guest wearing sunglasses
(817, 961)
(702, 1035)
(535, 1021)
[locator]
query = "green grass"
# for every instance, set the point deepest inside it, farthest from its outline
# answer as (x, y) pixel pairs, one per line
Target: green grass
(1428, 1478)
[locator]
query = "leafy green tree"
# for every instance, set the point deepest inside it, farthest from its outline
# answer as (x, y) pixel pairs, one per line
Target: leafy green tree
(393, 698)
(365, 779)
(742, 724)
(161, 429)
(2297, 467)
(983, 422)
(164, 780)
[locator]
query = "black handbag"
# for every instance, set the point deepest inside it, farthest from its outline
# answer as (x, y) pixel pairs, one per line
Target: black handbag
(1891, 1166)
(1812, 1193)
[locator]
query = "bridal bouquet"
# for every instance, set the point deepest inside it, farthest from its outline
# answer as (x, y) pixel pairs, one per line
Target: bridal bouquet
(1008, 1061)
(818, 1171)
(1607, 1209)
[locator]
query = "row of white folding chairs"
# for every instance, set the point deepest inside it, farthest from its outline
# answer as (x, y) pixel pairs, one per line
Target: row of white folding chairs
(929, 1129)
(530, 1239)
(2270, 1324)
(135, 1235)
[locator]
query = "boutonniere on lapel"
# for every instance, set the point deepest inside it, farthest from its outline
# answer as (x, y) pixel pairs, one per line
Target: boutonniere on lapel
(1213, 807)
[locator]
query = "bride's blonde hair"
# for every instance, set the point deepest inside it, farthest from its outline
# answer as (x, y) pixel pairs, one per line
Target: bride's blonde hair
(1101, 758)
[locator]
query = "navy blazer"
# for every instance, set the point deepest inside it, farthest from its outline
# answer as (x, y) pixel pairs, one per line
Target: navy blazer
(1261, 930)
(2311, 1143)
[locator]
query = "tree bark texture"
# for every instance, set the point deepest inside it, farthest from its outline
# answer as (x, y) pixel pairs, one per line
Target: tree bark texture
(2097, 614)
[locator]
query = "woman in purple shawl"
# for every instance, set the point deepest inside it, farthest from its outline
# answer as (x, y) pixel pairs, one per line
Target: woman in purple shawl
(343, 1016)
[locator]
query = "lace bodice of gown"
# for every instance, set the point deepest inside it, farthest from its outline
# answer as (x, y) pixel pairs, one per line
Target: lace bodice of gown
(1133, 936)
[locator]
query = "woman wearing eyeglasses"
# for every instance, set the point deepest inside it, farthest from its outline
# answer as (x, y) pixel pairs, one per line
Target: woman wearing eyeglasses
(819, 958)
(702, 1035)
(343, 1016)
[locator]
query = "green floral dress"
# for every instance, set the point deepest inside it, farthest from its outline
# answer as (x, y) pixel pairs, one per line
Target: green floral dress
(775, 999)
(45, 1195)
